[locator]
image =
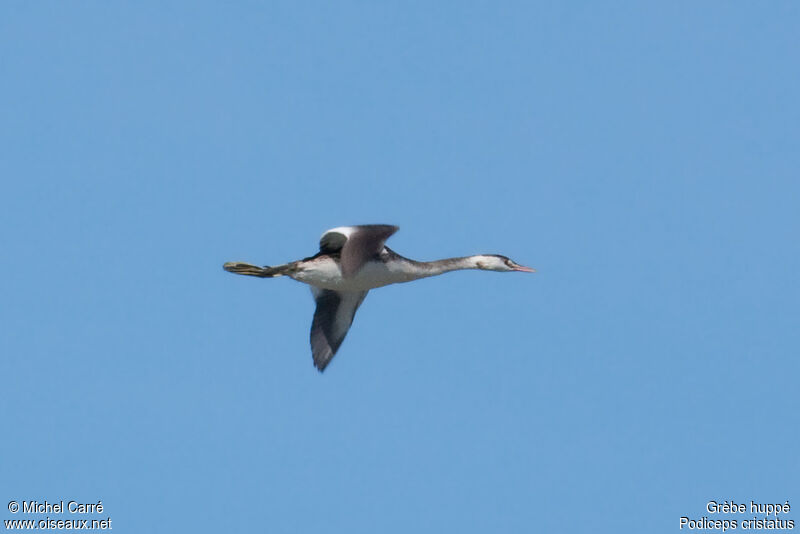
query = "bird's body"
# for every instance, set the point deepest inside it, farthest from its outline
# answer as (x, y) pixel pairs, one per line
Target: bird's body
(351, 261)
(325, 271)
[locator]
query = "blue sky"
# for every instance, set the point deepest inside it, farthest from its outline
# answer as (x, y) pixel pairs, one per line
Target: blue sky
(642, 156)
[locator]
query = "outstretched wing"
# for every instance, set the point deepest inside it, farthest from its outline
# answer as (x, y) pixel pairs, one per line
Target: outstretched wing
(332, 319)
(357, 244)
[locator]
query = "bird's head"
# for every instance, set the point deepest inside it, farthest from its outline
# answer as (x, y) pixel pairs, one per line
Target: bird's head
(496, 262)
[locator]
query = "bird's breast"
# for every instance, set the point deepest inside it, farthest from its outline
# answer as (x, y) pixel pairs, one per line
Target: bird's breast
(326, 273)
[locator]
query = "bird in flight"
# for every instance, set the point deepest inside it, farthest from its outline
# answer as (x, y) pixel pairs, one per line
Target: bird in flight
(351, 261)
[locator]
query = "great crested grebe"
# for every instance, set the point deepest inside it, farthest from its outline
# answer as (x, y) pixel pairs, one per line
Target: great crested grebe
(351, 261)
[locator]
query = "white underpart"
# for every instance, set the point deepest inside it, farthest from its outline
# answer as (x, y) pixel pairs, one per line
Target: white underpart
(325, 273)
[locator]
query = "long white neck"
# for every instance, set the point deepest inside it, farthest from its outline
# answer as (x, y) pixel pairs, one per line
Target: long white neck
(434, 268)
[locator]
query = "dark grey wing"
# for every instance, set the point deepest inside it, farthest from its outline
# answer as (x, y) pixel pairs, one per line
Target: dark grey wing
(332, 319)
(357, 244)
